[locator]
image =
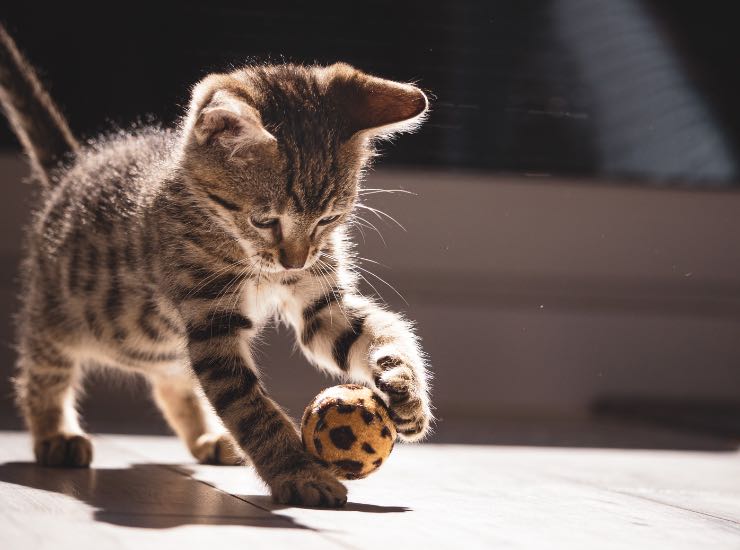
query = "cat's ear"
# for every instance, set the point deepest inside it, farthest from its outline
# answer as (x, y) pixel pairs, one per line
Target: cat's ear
(373, 105)
(228, 121)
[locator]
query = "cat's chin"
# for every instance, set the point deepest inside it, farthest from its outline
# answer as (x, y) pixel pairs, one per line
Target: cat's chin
(270, 270)
(283, 272)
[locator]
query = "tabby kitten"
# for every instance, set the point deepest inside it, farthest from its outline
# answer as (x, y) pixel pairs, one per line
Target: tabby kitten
(165, 252)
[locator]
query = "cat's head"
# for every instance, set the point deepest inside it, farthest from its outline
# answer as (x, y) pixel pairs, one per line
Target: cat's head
(276, 152)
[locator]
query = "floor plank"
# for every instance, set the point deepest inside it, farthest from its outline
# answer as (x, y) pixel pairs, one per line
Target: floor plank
(523, 496)
(706, 483)
(145, 491)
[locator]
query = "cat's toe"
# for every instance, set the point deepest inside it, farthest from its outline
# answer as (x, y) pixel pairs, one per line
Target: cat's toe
(396, 380)
(409, 408)
(220, 449)
(414, 430)
(314, 488)
(412, 419)
(64, 450)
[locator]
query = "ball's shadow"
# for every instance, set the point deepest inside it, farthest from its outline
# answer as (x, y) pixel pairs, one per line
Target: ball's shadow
(266, 503)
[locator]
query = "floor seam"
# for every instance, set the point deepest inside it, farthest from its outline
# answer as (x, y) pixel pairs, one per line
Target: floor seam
(732, 522)
(180, 471)
(277, 518)
(292, 523)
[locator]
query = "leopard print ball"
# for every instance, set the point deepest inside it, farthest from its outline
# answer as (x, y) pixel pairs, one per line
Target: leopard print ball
(349, 429)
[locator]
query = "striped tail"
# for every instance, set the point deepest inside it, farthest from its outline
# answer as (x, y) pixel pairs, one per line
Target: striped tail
(37, 122)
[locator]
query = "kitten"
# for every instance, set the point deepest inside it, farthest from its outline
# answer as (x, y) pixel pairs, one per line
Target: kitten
(165, 252)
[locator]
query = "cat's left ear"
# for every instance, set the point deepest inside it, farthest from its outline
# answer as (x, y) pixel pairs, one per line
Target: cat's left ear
(374, 106)
(221, 117)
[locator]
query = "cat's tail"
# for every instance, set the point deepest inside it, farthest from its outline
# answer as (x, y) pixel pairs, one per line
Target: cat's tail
(40, 127)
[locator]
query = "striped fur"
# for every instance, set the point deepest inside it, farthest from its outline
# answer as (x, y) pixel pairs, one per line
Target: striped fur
(157, 252)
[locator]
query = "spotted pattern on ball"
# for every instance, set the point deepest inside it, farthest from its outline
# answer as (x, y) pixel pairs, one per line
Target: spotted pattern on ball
(349, 429)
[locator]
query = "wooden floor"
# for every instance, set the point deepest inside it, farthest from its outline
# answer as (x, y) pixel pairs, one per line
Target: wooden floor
(145, 492)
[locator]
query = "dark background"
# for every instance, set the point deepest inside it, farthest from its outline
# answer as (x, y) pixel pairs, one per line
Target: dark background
(632, 89)
(571, 252)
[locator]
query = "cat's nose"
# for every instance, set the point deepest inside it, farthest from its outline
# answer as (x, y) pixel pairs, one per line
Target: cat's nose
(287, 264)
(293, 258)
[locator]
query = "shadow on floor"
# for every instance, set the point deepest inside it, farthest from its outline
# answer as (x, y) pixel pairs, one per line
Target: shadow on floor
(266, 503)
(154, 496)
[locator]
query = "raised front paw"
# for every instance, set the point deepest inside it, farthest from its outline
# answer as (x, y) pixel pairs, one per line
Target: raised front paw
(408, 402)
(312, 485)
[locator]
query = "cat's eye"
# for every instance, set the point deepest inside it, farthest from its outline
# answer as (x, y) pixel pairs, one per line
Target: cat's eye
(264, 223)
(329, 219)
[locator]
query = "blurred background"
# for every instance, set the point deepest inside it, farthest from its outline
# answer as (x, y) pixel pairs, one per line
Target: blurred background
(569, 250)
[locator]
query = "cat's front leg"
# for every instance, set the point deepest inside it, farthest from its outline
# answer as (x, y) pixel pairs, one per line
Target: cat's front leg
(344, 331)
(219, 353)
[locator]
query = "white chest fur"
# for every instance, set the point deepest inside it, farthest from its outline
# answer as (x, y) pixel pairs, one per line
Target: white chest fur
(265, 300)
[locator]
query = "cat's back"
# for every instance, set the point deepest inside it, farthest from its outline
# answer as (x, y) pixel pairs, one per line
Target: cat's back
(105, 190)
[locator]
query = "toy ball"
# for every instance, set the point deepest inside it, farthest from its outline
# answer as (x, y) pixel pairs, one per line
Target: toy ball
(349, 429)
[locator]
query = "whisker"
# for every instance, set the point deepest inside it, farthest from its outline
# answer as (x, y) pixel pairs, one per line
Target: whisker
(371, 285)
(374, 191)
(373, 262)
(372, 226)
(331, 288)
(332, 257)
(384, 282)
(355, 223)
(378, 213)
(355, 269)
(324, 292)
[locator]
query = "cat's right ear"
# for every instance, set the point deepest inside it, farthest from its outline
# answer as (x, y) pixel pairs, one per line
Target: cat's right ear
(225, 120)
(372, 106)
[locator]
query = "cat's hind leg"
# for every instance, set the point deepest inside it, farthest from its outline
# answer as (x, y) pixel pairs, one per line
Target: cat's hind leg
(191, 417)
(46, 386)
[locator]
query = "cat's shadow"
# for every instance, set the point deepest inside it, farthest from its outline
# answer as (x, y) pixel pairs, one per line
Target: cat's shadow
(156, 496)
